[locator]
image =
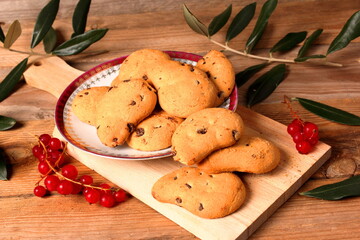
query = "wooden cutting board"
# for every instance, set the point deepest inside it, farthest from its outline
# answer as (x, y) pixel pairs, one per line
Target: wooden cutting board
(265, 193)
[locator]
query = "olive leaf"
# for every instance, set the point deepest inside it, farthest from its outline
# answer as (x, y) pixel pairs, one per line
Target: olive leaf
(240, 21)
(289, 41)
(349, 32)
(6, 123)
(261, 23)
(2, 36)
(50, 40)
(79, 43)
(219, 21)
(80, 17)
(265, 85)
(3, 170)
(44, 21)
(329, 113)
(347, 188)
(12, 34)
(194, 23)
(308, 42)
(242, 77)
(10, 81)
(303, 59)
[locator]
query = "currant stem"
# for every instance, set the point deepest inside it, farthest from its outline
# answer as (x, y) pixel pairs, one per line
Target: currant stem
(287, 101)
(270, 59)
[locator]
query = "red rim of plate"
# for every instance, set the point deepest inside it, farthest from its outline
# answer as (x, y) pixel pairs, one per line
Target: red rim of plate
(59, 110)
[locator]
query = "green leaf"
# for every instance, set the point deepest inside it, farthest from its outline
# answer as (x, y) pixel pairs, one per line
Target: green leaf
(6, 123)
(303, 59)
(3, 170)
(10, 81)
(240, 21)
(242, 77)
(2, 36)
(12, 34)
(289, 42)
(308, 42)
(50, 40)
(329, 113)
(265, 13)
(265, 85)
(349, 32)
(80, 17)
(80, 42)
(44, 21)
(194, 23)
(219, 21)
(346, 188)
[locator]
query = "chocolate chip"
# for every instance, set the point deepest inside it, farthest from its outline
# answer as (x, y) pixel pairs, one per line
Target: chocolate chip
(110, 89)
(133, 103)
(98, 127)
(145, 77)
(175, 178)
(80, 95)
(247, 144)
(128, 80)
(197, 82)
(86, 93)
(201, 131)
(131, 127)
(201, 207)
(192, 68)
(188, 185)
(208, 74)
(178, 200)
(220, 94)
(141, 97)
(139, 132)
(182, 64)
(115, 140)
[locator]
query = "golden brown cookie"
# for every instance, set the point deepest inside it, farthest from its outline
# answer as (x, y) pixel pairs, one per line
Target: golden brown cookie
(250, 154)
(84, 103)
(155, 132)
(204, 132)
(205, 195)
(220, 70)
(122, 108)
(182, 89)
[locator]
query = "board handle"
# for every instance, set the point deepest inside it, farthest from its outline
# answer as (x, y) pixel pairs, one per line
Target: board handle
(51, 74)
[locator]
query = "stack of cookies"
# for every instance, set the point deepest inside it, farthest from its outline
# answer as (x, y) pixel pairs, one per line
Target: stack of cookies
(156, 102)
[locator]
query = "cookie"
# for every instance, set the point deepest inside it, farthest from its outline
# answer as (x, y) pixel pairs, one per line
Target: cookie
(122, 108)
(250, 154)
(204, 132)
(182, 88)
(205, 195)
(84, 103)
(155, 132)
(220, 70)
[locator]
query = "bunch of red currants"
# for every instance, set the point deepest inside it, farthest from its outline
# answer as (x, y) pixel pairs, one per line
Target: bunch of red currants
(64, 178)
(304, 134)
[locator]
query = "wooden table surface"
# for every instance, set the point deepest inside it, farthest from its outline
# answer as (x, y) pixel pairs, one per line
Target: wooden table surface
(136, 24)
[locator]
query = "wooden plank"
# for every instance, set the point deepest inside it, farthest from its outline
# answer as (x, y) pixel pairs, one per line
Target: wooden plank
(266, 192)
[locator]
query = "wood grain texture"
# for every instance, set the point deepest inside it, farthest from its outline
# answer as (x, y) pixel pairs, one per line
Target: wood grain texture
(155, 24)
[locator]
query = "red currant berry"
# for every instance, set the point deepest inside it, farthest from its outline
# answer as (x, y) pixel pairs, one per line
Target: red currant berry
(107, 200)
(298, 121)
(86, 179)
(294, 128)
(55, 143)
(39, 191)
(120, 196)
(91, 195)
(45, 139)
(310, 130)
(37, 151)
(313, 140)
(65, 187)
(69, 171)
(303, 147)
(77, 188)
(105, 187)
(298, 137)
(51, 182)
(44, 168)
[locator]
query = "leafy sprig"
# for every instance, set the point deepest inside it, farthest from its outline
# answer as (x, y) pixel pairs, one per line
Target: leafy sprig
(349, 32)
(44, 32)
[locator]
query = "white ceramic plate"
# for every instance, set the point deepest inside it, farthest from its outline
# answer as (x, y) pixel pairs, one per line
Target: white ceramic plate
(83, 136)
